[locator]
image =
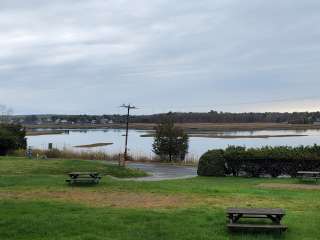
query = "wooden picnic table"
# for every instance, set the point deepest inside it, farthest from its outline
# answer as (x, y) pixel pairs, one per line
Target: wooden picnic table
(309, 175)
(274, 214)
(84, 177)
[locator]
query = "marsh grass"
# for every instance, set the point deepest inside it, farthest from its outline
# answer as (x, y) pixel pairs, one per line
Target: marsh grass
(65, 153)
(68, 154)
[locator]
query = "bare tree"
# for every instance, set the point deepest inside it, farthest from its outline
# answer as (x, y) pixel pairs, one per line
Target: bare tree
(5, 113)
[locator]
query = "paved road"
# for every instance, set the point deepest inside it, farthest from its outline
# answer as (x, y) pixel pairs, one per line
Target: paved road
(160, 171)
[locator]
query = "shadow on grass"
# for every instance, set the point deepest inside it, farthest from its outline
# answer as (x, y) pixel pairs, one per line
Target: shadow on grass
(235, 235)
(82, 185)
(256, 233)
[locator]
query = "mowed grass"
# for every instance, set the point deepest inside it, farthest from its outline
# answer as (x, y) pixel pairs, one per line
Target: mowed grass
(36, 203)
(25, 167)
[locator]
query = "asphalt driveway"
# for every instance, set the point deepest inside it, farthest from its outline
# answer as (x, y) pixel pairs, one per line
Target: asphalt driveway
(159, 171)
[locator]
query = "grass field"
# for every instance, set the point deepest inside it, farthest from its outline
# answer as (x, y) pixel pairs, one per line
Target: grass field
(37, 204)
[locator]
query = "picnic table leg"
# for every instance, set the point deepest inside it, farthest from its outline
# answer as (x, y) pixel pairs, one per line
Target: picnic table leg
(231, 218)
(275, 219)
(234, 218)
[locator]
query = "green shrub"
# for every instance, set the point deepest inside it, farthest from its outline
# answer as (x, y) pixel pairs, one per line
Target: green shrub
(212, 163)
(254, 162)
(234, 156)
(12, 137)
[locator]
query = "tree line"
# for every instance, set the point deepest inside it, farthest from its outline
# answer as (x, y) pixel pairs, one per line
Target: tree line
(184, 117)
(227, 117)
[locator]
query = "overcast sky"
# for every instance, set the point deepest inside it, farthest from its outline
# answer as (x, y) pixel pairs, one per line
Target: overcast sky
(80, 56)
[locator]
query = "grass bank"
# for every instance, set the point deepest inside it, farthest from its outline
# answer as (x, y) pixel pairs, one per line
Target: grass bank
(36, 203)
(29, 167)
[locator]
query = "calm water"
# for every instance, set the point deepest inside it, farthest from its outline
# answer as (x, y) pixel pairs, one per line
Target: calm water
(143, 145)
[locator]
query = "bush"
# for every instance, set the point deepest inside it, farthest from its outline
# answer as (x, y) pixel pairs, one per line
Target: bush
(12, 137)
(212, 163)
(234, 157)
(255, 162)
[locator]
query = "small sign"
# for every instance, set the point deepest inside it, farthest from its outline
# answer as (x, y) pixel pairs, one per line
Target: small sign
(50, 146)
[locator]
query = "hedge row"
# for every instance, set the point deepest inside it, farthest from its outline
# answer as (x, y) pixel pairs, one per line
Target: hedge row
(255, 162)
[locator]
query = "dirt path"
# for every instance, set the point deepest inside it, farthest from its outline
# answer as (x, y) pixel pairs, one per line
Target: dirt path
(290, 186)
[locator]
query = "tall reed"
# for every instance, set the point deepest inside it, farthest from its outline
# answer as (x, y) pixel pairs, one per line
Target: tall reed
(96, 155)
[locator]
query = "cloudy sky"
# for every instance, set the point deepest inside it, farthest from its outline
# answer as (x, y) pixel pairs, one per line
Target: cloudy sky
(80, 56)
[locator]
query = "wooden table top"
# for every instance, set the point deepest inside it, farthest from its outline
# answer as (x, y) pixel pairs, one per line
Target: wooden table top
(308, 172)
(256, 211)
(84, 173)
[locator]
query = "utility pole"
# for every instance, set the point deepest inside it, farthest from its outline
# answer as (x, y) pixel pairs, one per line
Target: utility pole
(128, 107)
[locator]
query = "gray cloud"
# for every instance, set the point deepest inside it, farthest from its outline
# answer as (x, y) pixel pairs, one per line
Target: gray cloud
(91, 56)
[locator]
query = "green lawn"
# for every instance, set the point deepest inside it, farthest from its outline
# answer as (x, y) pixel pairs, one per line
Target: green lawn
(36, 203)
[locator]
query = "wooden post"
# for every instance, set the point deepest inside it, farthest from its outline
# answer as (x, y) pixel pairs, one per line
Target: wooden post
(128, 107)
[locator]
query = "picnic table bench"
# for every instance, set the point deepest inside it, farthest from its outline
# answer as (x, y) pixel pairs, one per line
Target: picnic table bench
(309, 175)
(84, 177)
(275, 215)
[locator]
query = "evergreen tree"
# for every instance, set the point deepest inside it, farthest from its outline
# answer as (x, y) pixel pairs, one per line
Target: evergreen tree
(170, 142)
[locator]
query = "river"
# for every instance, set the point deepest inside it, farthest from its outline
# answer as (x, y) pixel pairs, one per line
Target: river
(142, 146)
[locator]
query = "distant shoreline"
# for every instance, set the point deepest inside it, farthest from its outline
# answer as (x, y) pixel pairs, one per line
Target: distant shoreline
(189, 127)
(247, 136)
(93, 145)
(236, 136)
(46, 132)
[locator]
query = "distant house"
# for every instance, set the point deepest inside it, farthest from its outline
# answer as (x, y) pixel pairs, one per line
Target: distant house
(48, 120)
(64, 121)
(104, 120)
(316, 123)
